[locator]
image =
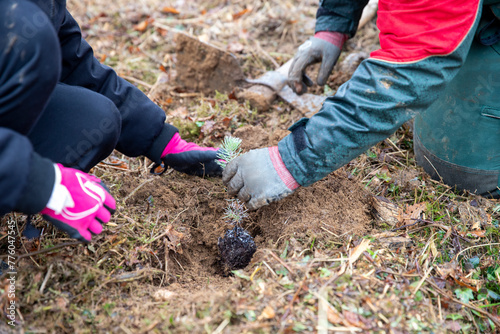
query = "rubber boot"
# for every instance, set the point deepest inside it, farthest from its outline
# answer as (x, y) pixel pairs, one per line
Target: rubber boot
(457, 140)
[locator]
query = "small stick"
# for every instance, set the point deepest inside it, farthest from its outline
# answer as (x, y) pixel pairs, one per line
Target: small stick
(136, 189)
(42, 287)
(140, 82)
(282, 263)
(422, 281)
(270, 269)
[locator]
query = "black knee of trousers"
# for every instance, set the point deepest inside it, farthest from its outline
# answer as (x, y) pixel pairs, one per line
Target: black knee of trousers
(78, 129)
(30, 63)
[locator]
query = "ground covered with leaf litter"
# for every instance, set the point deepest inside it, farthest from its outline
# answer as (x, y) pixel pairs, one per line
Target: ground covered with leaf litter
(375, 247)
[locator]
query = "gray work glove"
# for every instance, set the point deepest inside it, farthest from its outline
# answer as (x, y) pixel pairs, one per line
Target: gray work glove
(259, 177)
(324, 47)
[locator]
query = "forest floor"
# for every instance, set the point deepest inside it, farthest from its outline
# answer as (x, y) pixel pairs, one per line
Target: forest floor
(377, 246)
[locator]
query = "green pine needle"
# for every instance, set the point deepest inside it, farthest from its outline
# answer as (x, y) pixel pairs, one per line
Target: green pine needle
(230, 149)
(235, 212)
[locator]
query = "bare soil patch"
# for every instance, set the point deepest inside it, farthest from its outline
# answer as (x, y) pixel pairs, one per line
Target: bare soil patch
(330, 209)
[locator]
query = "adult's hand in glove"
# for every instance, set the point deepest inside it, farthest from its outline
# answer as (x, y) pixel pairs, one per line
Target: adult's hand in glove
(79, 204)
(259, 177)
(190, 158)
(324, 47)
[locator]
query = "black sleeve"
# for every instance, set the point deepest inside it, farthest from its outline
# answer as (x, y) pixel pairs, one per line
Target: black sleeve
(26, 179)
(144, 131)
(339, 15)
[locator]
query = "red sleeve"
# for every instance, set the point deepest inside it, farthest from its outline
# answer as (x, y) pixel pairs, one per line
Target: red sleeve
(411, 30)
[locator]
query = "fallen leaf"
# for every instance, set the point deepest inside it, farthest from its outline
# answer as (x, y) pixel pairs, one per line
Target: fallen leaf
(479, 234)
(163, 295)
(433, 248)
(169, 10)
(412, 213)
(142, 26)
(235, 47)
(358, 250)
(353, 319)
(333, 316)
(61, 303)
(181, 112)
(207, 128)
(267, 313)
(241, 13)
(453, 326)
(173, 240)
(468, 286)
(447, 269)
(476, 225)
(227, 121)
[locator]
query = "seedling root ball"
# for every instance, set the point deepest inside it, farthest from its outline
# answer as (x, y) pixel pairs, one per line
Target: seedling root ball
(236, 248)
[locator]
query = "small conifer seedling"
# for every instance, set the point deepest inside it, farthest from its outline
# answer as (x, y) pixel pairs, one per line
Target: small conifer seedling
(237, 246)
(230, 149)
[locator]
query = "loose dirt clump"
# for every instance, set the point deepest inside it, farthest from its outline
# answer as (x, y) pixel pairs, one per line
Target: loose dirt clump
(205, 68)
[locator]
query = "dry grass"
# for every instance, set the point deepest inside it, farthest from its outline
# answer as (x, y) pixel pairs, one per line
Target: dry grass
(437, 270)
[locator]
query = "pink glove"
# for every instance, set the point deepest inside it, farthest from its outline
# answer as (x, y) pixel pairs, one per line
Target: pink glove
(190, 158)
(79, 204)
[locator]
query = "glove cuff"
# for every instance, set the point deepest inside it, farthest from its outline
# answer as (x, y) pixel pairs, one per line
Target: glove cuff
(60, 197)
(39, 185)
(281, 169)
(172, 144)
(159, 144)
(335, 38)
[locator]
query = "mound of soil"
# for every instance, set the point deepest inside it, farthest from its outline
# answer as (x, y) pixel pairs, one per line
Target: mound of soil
(330, 209)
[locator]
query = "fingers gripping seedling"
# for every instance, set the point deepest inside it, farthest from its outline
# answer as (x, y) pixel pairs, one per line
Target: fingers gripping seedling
(237, 246)
(230, 149)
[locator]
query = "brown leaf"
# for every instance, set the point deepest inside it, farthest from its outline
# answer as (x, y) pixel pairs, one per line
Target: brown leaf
(163, 295)
(333, 316)
(476, 225)
(478, 234)
(353, 319)
(241, 13)
(142, 26)
(459, 282)
(169, 10)
(207, 128)
(412, 213)
(358, 250)
(174, 239)
(181, 112)
(453, 326)
(235, 47)
(61, 303)
(447, 269)
(227, 121)
(267, 313)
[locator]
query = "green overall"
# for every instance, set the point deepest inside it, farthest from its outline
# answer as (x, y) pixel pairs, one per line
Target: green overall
(457, 139)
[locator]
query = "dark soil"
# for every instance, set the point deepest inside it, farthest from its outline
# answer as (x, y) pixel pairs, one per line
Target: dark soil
(236, 248)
